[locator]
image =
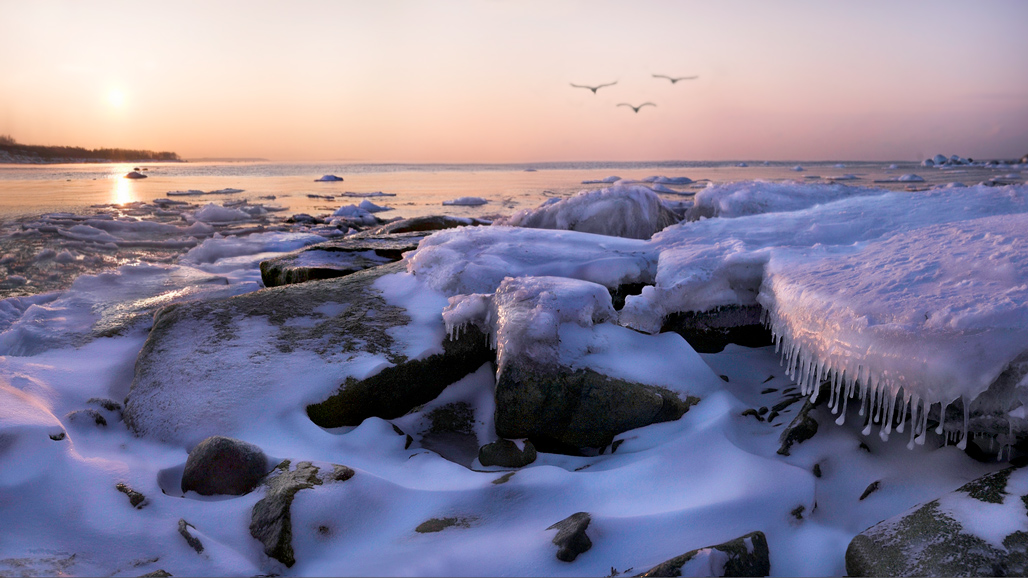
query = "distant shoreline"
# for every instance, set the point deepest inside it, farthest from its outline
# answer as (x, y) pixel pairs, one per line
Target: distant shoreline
(12, 152)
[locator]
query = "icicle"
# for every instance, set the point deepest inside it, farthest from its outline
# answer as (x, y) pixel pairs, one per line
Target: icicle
(942, 417)
(890, 413)
(845, 404)
(903, 412)
(833, 399)
(922, 426)
(963, 442)
(913, 422)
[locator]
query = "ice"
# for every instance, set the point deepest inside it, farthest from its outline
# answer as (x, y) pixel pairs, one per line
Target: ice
(605, 181)
(328, 178)
(622, 211)
(352, 215)
(466, 201)
(798, 168)
(219, 247)
(212, 213)
(372, 207)
(198, 192)
(660, 180)
(755, 197)
(476, 259)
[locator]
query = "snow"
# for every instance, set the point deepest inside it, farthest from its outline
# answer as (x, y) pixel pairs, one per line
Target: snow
(370, 207)
(922, 290)
(212, 213)
(661, 180)
(622, 211)
(466, 201)
(604, 181)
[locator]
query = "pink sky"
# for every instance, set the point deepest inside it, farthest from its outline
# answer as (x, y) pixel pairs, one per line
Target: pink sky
(488, 80)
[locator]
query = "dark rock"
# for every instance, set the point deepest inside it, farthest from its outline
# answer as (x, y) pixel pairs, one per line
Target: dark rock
(744, 556)
(802, 428)
(396, 390)
(422, 225)
(711, 331)
(108, 404)
(337, 258)
(220, 465)
(440, 524)
(817, 470)
(156, 574)
(270, 521)
(563, 409)
(504, 478)
(451, 433)
(58, 436)
(305, 219)
(618, 294)
(193, 541)
(870, 489)
(135, 498)
(506, 454)
(930, 540)
(571, 539)
(92, 416)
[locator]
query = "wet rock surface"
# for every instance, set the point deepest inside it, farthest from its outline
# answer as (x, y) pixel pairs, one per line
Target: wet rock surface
(746, 555)
(507, 454)
(221, 465)
(711, 331)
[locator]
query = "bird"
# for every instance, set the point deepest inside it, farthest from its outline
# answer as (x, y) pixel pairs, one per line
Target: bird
(594, 88)
(636, 108)
(674, 80)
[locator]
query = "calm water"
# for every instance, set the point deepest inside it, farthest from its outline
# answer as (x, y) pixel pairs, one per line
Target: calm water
(418, 189)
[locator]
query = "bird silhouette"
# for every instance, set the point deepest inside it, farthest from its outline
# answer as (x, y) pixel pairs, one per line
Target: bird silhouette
(636, 108)
(593, 88)
(674, 80)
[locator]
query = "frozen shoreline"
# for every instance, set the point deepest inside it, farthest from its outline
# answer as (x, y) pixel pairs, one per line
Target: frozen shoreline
(711, 476)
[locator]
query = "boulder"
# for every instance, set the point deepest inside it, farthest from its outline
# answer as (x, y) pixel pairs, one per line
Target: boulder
(421, 225)
(571, 539)
(800, 429)
(451, 432)
(976, 530)
(221, 465)
(224, 366)
(562, 409)
(337, 258)
(270, 520)
(507, 454)
(710, 331)
(744, 556)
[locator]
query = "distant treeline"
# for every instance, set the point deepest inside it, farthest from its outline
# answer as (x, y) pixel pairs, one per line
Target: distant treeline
(17, 152)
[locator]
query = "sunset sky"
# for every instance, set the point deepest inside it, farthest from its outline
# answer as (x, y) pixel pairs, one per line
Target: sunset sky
(488, 80)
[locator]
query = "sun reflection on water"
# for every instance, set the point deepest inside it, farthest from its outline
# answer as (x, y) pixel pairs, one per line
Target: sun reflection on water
(122, 190)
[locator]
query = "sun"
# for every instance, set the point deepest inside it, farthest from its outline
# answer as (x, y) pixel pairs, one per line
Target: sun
(116, 98)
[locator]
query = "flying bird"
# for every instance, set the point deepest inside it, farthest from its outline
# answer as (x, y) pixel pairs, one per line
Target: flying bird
(674, 80)
(593, 88)
(636, 108)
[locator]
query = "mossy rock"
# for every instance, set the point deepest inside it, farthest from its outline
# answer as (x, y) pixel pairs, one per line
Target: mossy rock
(746, 555)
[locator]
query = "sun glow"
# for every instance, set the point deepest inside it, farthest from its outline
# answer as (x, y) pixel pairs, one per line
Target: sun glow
(116, 98)
(122, 191)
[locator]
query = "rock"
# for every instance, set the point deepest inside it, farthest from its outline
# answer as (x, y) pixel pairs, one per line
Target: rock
(421, 225)
(156, 574)
(744, 556)
(802, 428)
(270, 520)
(938, 539)
(451, 433)
(87, 416)
(440, 524)
(336, 258)
(134, 175)
(232, 357)
(328, 178)
(137, 499)
(507, 454)
(193, 541)
(571, 539)
(396, 390)
(562, 410)
(711, 331)
(220, 465)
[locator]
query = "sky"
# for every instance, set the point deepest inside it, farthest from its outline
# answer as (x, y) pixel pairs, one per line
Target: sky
(489, 80)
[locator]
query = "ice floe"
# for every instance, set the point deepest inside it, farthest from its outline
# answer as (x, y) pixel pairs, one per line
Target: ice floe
(466, 201)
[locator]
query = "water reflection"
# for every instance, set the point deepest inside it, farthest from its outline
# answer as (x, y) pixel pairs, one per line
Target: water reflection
(122, 190)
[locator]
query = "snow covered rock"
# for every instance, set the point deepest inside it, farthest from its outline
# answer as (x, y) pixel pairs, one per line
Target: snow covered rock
(978, 530)
(756, 197)
(542, 328)
(134, 175)
(337, 258)
(634, 212)
(354, 216)
(328, 179)
(221, 465)
(244, 366)
(571, 539)
(744, 556)
(271, 520)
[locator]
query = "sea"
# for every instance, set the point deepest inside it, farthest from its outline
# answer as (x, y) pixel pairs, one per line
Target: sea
(40, 204)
